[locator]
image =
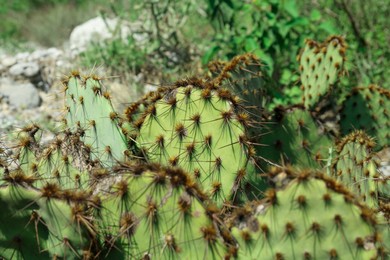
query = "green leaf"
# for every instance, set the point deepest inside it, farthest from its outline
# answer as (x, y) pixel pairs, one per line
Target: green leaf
(267, 59)
(329, 27)
(251, 45)
(210, 53)
(315, 15)
(291, 8)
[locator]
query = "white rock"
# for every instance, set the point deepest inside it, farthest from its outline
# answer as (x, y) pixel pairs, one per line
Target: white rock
(22, 56)
(95, 30)
(21, 95)
(8, 61)
(149, 88)
(52, 53)
(98, 30)
(27, 69)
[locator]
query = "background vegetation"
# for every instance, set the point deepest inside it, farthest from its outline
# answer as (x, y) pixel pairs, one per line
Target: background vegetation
(183, 36)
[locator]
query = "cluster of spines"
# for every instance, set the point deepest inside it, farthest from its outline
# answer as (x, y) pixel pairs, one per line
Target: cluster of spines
(159, 212)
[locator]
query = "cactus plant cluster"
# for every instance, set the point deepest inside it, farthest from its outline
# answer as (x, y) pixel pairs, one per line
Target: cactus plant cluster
(202, 169)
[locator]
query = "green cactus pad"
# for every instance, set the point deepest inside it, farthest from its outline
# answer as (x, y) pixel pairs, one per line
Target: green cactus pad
(22, 236)
(199, 129)
(368, 109)
(70, 229)
(49, 163)
(355, 166)
(293, 137)
(313, 217)
(41, 223)
(320, 66)
(245, 76)
(158, 212)
(91, 115)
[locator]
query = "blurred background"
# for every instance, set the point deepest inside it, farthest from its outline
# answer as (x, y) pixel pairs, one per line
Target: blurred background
(141, 44)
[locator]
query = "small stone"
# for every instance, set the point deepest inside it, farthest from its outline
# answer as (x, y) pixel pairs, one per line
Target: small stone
(8, 61)
(20, 95)
(22, 56)
(26, 69)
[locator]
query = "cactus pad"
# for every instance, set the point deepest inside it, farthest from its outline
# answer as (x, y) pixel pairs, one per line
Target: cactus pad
(91, 115)
(158, 212)
(320, 66)
(368, 109)
(293, 137)
(313, 217)
(201, 130)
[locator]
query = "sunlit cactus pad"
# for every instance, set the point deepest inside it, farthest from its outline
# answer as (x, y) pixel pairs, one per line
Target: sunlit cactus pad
(159, 213)
(90, 113)
(202, 130)
(320, 66)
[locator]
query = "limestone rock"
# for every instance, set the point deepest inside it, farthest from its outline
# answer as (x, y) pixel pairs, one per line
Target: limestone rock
(24, 69)
(20, 95)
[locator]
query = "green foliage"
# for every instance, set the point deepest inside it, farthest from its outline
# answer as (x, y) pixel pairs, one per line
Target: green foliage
(45, 23)
(119, 55)
(272, 30)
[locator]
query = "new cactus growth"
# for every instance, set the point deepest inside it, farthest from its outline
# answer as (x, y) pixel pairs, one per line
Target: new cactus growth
(320, 66)
(245, 76)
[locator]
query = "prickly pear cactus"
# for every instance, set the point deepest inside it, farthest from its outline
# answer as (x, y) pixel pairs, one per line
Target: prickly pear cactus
(320, 66)
(355, 166)
(245, 76)
(156, 212)
(40, 223)
(91, 115)
(368, 109)
(293, 137)
(201, 130)
(313, 217)
(49, 163)
(21, 235)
